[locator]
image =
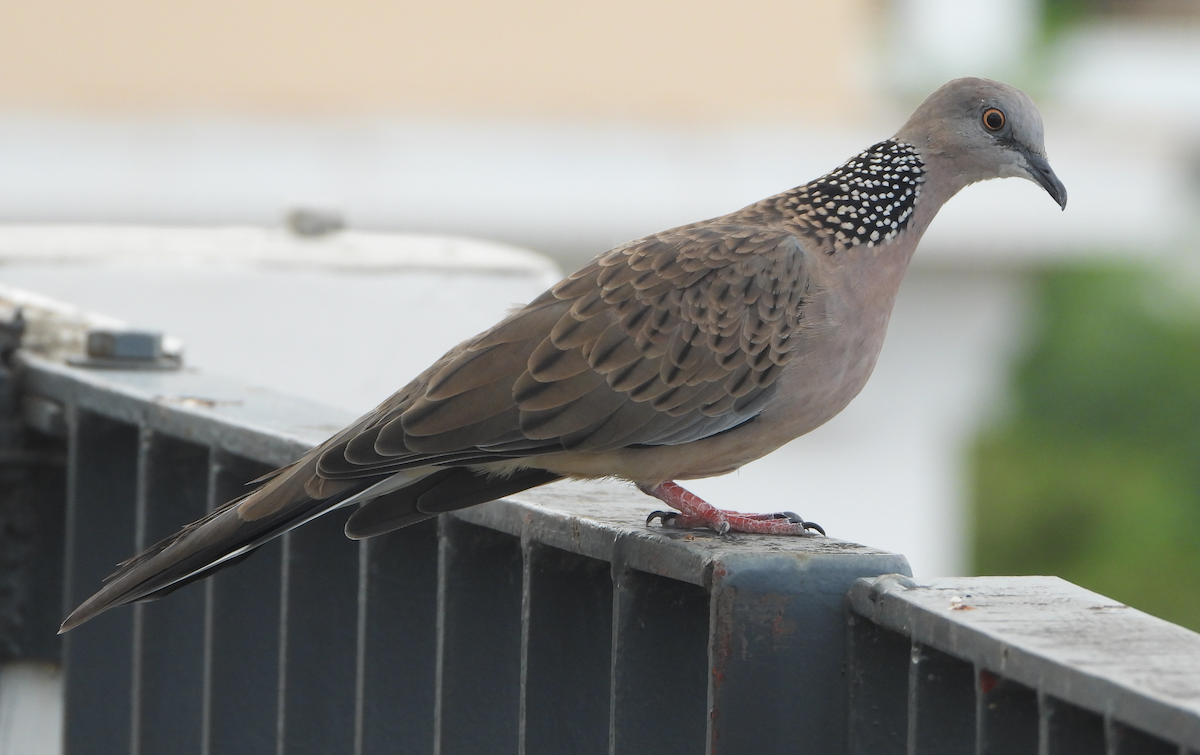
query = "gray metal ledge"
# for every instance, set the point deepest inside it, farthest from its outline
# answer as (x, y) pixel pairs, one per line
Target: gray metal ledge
(605, 520)
(245, 420)
(1054, 637)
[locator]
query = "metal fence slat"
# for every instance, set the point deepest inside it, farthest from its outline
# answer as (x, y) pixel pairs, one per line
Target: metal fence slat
(479, 649)
(34, 498)
(320, 644)
(98, 657)
(660, 664)
(242, 684)
(173, 491)
(878, 662)
(941, 705)
(398, 657)
(1071, 730)
(1128, 740)
(243, 667)
(568, 653)
(1008, 716)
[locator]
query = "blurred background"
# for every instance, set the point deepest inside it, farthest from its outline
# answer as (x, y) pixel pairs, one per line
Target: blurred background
(1037, 406)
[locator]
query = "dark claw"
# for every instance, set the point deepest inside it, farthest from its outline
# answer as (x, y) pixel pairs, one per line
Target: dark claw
(667, 517)
(795, 518)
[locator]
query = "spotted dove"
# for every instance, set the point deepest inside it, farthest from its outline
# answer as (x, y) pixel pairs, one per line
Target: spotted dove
(681, 355)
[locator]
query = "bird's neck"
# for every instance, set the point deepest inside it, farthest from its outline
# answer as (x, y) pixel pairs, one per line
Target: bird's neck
(941, 182)
(867, 202)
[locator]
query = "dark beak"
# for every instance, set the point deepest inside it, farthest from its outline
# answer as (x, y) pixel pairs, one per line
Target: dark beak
(1040, 171)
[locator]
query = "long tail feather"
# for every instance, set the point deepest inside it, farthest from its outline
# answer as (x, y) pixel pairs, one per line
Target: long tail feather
(225, 536)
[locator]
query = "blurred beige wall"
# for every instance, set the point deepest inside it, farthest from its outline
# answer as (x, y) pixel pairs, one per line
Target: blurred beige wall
(721, 61)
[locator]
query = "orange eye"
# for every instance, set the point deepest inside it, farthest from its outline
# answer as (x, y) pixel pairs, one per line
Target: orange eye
(993, 119)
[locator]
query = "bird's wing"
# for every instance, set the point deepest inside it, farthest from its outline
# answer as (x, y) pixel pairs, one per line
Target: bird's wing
(667, 340)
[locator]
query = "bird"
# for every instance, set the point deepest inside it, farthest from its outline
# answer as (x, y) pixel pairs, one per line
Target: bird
(680, 355)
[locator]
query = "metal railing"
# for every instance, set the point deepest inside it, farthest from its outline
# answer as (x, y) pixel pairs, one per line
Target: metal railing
(554, 622)
(1016, 665)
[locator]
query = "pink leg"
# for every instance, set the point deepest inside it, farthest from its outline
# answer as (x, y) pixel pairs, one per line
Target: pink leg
(696, 513)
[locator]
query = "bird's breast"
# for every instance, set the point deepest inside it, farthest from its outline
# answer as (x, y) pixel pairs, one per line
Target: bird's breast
(844, 324)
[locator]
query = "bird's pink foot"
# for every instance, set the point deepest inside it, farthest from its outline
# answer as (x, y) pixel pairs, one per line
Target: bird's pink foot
(693, 512)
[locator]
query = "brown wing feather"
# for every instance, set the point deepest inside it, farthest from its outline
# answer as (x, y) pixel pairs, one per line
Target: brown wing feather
(667, 339)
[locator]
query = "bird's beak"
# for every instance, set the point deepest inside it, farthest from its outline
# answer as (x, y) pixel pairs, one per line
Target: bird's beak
(1040, 171)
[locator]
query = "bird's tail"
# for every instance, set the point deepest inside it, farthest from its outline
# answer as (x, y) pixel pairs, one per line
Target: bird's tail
(221, 539)
(285, 501)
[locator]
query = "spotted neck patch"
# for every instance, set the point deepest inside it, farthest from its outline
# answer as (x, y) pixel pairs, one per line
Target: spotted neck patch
(869, 200)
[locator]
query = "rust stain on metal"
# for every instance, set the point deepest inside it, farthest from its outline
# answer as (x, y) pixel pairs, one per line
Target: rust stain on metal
(987, 681)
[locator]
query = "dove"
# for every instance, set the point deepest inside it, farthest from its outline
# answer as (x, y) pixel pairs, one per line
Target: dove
(681, 355)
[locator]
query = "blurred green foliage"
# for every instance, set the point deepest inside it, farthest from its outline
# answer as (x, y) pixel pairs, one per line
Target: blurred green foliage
(1059, 15)
(1094, 476)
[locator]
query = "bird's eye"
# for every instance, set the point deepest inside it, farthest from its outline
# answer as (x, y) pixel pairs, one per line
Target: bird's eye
(993, 119)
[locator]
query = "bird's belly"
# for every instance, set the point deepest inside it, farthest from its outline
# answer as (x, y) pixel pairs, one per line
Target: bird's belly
(811, 391)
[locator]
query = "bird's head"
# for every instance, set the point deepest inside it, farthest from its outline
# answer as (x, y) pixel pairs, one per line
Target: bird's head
(984, 129)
